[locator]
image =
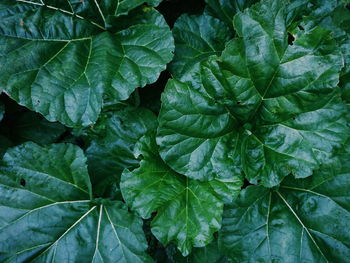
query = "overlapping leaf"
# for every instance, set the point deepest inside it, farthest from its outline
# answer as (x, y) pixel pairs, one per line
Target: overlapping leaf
(302, 221)
(62, 57)
(188, 211)
(226, 9)
(111, 150)
(196, 38)
(267, 106)
(46, 214)
(334, 16)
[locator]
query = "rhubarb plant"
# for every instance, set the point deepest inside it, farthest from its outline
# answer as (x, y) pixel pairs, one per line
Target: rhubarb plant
(217, 131)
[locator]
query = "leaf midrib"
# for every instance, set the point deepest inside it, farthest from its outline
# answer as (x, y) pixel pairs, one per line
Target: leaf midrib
(67, 12)
(302, 224)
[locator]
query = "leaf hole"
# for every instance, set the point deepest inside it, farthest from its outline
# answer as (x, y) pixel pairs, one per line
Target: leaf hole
(22, 182)
(301, 27)
(291, 39)
(238, 102)
(348, 6)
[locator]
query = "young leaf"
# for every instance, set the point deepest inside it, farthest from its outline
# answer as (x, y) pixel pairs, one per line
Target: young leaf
(265, 105)
(305, 220)
(196, 38)
(334, 16)
(111, 150)
(46, 214)
(188, 211)
(226, 9)
(61, 60)
(197, 137)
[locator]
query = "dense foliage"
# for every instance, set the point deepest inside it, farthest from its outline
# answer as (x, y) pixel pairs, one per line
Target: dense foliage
(175, 131)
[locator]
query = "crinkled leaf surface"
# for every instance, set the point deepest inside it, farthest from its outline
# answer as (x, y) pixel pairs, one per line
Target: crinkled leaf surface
(267, 106)
(196, 38)
(305, 220)
(197, 136)
(334, 16)
(188, 211)
(62, 62)
(46, 214)
(111, 151)
(226, 9)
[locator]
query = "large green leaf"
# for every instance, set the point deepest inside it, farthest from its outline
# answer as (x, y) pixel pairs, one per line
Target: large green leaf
(334, 16)
(111, 150)
(196, 38)
(62, 64)
(197, 136)
(188, 211)
(226, 9)
(305, 220)
(46, 214)
(267, 106)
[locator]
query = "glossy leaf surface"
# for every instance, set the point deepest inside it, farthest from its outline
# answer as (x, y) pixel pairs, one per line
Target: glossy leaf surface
(46, 214)
(302, 221)
(196, 38)
(111, 150)
(188, 211)
(62, 64)
(267, 107)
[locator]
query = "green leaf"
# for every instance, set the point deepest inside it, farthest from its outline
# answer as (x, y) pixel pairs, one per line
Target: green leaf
(188, 211)
(46, 214)
(62, 65)
(334, 16)
(111, 150)
(267, 107)
(196, 38)
(226, 9)
(297, 146)
(305, 220)
(197, 137)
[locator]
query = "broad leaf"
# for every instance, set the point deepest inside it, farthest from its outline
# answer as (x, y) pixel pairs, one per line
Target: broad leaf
(196, 38)
(226, 9)
(197, 136)
(46, 214)
(62, 63)
(188, 211)
(111, 150)
(267, 106)
(334, 16)
(305, 220)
